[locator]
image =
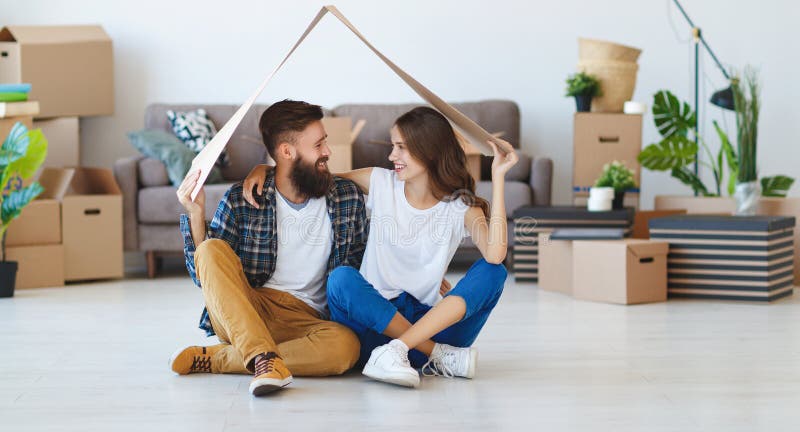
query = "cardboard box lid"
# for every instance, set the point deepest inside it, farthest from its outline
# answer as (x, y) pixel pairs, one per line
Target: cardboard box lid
(61, 182)
(723, 223)
(638, 247)
(53, 34)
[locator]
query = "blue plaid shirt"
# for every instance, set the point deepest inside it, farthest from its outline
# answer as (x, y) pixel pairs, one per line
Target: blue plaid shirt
(252, 232)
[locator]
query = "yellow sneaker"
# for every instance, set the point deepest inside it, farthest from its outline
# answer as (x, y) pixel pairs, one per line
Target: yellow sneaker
(193, 359)
(271, 374)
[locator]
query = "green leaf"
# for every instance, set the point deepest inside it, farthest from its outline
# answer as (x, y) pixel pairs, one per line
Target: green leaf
(671, 153)
(776, 186)
(14, 146)
(730, 157)
(27, 165)
(690, 179)
(672, 117)
(15, 201)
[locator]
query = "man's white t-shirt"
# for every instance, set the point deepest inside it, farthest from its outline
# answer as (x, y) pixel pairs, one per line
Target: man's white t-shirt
(409, 249)
(305, 239)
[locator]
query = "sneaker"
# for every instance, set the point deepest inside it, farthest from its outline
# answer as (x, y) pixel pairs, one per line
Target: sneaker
(271, 374)
(450, 361)
(193, 359)
(389, 363)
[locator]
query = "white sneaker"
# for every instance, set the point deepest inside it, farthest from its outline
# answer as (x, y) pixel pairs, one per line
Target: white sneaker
(450, 361)
(389, 363)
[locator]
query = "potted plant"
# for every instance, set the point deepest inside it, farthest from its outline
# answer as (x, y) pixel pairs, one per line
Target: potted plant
(619, 177)
(583, 87)
(22, 153)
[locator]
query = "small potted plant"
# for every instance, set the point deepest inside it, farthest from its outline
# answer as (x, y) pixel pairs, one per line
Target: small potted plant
(583, 87)
(20, 156)
(616, 175)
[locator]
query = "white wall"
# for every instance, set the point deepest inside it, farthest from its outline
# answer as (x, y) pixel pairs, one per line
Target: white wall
(203, 51)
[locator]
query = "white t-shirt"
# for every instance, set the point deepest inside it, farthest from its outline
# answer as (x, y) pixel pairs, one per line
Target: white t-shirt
(409, 249)
(305, 239)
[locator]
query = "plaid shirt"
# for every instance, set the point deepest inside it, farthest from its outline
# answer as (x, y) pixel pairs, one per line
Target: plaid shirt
(252, 232)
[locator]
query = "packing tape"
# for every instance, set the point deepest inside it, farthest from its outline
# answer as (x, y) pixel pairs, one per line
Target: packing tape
(205, 160)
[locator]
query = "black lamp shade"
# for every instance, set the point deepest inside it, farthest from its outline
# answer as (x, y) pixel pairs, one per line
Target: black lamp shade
(724, 99)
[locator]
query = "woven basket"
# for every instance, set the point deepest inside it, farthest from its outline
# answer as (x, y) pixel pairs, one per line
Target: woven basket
(592, 49)
(617, 82)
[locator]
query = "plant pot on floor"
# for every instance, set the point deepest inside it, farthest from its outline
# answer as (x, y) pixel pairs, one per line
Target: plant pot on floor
(583, 103)
(619, 199)
(8, 278)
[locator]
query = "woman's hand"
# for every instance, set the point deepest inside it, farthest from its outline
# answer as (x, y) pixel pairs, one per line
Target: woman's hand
(256, 178)
(502, 163)
(445, 287)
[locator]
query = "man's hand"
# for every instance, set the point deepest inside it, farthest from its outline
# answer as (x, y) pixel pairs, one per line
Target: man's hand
(197, 207)
(445, 288)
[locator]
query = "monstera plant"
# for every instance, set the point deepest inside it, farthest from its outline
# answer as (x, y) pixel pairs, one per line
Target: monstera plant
(677, 152)
(22, 153)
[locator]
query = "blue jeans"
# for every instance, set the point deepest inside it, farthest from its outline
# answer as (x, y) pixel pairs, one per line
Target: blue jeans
(355, 303)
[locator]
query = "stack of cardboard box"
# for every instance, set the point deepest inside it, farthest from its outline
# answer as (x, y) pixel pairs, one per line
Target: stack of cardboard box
(73, 231)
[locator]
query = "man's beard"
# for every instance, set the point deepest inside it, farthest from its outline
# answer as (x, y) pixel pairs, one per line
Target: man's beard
(309, 180)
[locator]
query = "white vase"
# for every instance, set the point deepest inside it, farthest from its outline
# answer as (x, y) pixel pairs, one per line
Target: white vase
(747, 195)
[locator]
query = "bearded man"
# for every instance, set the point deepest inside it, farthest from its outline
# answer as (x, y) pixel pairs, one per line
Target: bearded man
(262, 270)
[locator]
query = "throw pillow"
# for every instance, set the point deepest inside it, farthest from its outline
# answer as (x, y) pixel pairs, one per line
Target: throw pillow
(171, 151)
(195, 129)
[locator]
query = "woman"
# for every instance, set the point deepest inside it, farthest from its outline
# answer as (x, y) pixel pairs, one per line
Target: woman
(420, 213)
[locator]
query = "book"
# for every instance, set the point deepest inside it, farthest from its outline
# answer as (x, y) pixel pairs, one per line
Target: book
(15, 88)
(16, 109)
(13, 97)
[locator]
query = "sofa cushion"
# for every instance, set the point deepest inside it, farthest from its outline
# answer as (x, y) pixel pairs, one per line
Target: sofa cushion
(172, 152)
(518, 194)
(152, 172)
(160, 204)
(196, 130)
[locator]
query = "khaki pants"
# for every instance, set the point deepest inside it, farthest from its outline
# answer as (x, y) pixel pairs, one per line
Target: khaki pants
(253, 321)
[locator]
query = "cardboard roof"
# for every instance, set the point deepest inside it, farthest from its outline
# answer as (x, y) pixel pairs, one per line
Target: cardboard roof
(53, 34)
(475, 134)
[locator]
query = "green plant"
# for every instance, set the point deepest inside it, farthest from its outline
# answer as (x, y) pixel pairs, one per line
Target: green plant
(617, 176)
(746, 100)
(583, 84)
(22, 153)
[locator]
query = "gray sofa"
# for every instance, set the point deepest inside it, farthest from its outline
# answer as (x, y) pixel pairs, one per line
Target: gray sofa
(151, 210)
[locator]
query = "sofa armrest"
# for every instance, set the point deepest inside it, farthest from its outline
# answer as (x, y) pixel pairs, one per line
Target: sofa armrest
(541, 181)
(126, 171)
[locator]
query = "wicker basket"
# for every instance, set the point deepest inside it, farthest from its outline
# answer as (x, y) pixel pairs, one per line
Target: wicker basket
(592, 49)
(617, 82)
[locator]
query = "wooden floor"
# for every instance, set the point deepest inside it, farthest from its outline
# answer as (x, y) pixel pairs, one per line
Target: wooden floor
(94, 358)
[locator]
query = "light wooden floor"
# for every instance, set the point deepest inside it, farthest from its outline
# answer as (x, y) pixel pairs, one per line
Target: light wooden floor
(94, 357)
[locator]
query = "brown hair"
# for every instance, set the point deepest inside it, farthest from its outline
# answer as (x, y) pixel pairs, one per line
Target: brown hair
(431, 140)
(283, 119)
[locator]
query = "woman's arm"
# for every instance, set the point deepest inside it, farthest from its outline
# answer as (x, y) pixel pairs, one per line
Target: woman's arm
(258, 175)
(491, 236)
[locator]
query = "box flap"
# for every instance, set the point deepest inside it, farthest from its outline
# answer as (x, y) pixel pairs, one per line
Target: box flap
(93, 181)
(55, 181)
(647, 248)
(53, 34)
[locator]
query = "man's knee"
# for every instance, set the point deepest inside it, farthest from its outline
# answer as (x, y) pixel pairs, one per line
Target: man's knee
(344, 349)
(211, 251)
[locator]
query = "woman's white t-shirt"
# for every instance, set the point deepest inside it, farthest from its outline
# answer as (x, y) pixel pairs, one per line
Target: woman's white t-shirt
(409, 249)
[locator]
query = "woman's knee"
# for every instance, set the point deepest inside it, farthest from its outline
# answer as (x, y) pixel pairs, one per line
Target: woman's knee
(338, 282)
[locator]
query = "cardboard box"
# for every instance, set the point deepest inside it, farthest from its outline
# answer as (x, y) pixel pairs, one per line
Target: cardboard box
(341, 136)
(728, 257)
(601, 138)
(7, 123)
(641, 219)
(63, 141)
(555, 257)
(39, 266)
(70, 67)
(38, 224)
(620, 271)
(91, 221)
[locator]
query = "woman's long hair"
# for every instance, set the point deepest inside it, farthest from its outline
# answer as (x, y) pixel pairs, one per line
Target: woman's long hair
(431, 140)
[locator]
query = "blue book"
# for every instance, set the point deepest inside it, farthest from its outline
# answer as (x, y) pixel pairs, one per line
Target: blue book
(15, 88)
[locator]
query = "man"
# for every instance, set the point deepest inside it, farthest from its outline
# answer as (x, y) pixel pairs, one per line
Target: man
(263, 269)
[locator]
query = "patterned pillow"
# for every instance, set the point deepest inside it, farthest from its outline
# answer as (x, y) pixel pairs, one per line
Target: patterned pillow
(195, 129)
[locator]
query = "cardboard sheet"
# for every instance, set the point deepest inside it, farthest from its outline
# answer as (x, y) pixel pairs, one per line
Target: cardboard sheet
(204, 161)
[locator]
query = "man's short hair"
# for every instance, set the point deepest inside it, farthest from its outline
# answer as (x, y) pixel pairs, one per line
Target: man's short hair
(282, 120)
